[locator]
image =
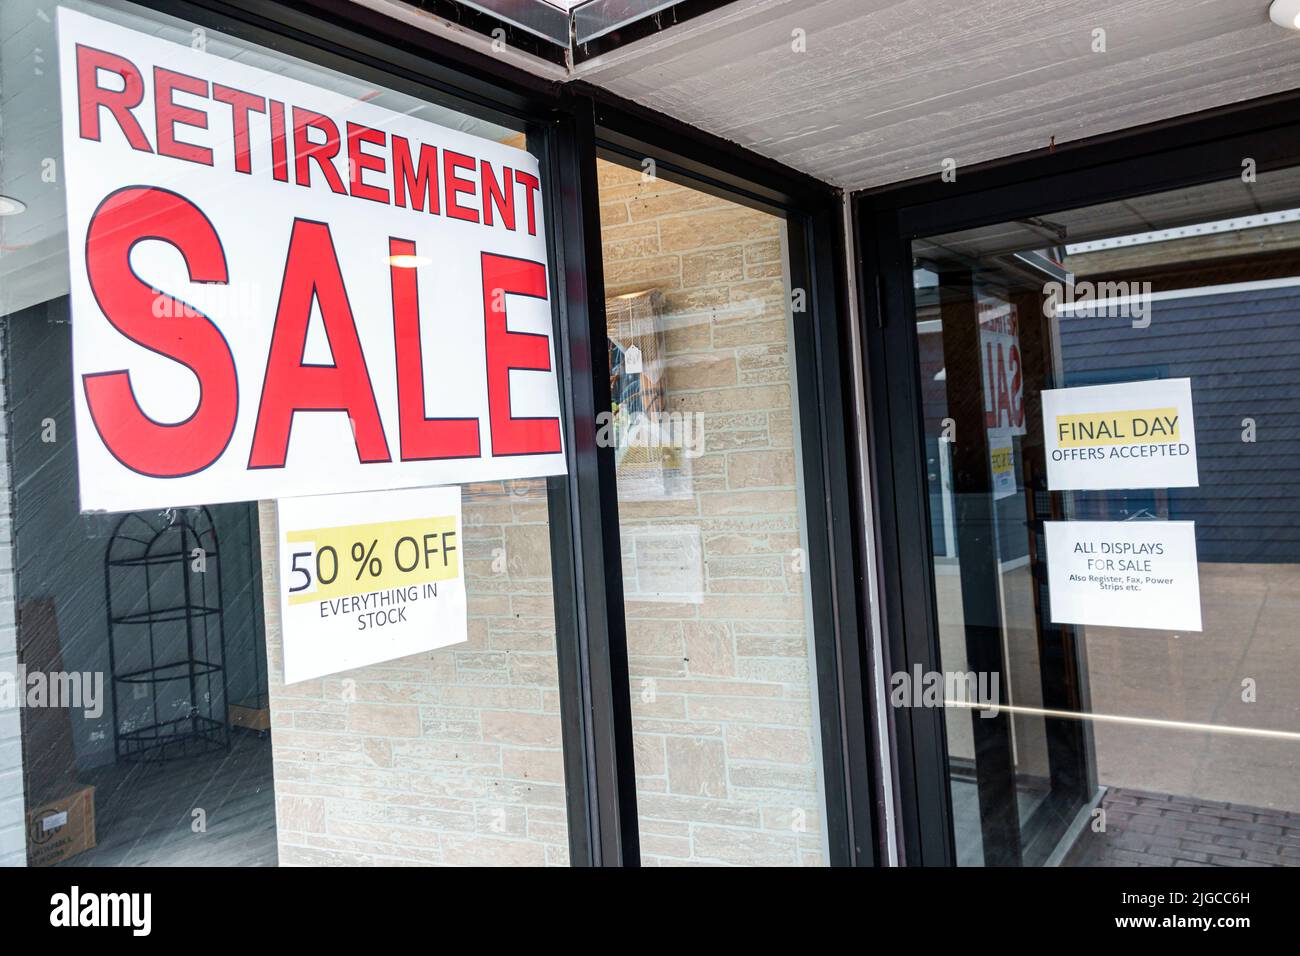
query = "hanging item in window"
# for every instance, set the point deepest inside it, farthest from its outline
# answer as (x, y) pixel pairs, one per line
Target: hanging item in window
(653, 446)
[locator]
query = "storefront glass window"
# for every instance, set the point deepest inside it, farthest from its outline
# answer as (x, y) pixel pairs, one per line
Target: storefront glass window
(187, 745)
(704, 424)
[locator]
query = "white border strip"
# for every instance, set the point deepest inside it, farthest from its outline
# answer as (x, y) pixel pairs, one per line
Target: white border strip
(1103, 305)
(876, 639)
(1231, 729)
(1185, 232)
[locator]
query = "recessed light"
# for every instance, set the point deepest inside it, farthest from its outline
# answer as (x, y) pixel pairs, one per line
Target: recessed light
(9, 206)
(1285, 13)
(408, 262)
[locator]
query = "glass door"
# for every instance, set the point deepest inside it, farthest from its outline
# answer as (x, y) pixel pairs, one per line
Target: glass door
(1110, 406)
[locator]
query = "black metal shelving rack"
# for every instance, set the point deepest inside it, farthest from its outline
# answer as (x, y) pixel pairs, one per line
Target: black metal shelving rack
(144, 549)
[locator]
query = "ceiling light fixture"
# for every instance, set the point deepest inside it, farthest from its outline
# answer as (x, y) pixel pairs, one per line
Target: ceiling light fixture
(408, 262)
(9, 206)
(1285, 13)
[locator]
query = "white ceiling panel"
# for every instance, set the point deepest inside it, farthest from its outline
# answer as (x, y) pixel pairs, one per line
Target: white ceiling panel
(885, 90)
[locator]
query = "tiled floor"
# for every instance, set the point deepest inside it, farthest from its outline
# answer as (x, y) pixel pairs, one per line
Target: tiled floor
(1249, 613)
(1156, 829)
(145, 814)
(966, 817)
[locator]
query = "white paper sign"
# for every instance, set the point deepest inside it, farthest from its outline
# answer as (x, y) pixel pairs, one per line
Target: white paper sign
(369, 577)
(278, 289)
(1124, 574)
(1128, 435)
(663, 563)
(1002, 462)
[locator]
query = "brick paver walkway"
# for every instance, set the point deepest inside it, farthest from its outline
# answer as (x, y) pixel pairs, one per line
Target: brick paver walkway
(1157, 829)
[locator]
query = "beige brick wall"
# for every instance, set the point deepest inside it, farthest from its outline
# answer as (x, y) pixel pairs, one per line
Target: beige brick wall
(449, 757)
(724, 719)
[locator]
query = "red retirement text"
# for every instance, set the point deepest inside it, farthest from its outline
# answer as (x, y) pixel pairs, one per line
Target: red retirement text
(306, 146)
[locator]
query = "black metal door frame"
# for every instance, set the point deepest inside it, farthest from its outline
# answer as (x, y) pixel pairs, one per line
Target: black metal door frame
(1202, 148)
(824, 399)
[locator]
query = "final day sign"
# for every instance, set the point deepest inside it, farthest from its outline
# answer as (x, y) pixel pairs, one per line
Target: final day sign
(280, 290)
(1127, 435)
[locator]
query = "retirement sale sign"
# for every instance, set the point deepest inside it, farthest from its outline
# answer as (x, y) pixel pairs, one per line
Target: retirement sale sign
(1128, 435)
(279, 290)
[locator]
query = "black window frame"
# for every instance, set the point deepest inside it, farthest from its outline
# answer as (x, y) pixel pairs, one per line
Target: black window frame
(1190, 150)
(566, 126)
(824, 399)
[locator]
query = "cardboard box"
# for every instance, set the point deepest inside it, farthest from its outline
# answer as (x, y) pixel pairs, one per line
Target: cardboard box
(49, 754)
(60, 829)
(251, 715)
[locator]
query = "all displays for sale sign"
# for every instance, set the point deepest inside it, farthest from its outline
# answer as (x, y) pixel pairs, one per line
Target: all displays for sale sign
(280, 290)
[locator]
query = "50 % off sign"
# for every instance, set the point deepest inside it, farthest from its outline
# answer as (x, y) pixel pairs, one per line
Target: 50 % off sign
(354, 559)
(355, 592)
